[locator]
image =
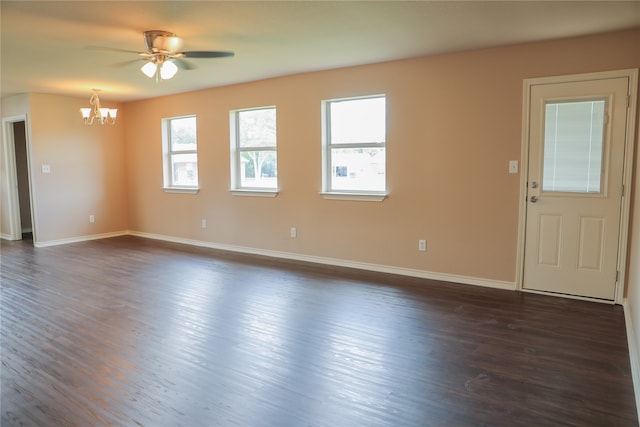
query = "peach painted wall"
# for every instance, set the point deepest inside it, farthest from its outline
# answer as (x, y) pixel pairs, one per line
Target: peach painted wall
(454, 122)
(87, 171)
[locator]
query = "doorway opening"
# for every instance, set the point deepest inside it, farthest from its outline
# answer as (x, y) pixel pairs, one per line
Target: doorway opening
(18, 179)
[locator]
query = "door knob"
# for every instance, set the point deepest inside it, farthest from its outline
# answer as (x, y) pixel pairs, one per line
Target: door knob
(534, 199)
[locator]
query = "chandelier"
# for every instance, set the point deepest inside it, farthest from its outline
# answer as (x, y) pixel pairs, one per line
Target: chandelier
(101, 114)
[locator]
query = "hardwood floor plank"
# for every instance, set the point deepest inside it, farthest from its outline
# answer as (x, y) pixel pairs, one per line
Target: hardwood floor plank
(134, 332)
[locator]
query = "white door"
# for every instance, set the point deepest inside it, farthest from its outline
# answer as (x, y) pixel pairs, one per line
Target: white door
(575, 186)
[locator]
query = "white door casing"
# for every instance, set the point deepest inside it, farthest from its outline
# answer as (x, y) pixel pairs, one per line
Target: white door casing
(574, 217)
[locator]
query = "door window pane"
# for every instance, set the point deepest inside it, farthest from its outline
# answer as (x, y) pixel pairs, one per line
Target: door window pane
(573, 147)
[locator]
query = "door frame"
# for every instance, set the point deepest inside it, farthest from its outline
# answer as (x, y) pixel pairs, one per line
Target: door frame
(623, 236)
(13, 202)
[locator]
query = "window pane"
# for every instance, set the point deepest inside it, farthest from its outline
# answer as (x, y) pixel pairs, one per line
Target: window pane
(358, 169)
(358, 121)
(183, 134)
(573, 147)
(257, 128)
(258, 169)
(184, 169)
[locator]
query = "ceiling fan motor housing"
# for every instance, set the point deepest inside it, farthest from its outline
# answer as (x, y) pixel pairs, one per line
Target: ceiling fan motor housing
(161, 41)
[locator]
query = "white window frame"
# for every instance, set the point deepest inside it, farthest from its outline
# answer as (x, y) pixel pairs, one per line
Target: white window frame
(327, 190)
(167, 154)
(237, 188)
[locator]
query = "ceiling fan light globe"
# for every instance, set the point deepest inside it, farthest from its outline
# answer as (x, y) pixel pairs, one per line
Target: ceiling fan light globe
(173, 43)
(149, 69)
(168, 70)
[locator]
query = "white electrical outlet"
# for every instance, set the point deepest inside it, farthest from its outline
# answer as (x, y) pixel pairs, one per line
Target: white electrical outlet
(513, 166)
(422, 245)
(46, 168)
(92, 219)
(204, 223)
(294, 232)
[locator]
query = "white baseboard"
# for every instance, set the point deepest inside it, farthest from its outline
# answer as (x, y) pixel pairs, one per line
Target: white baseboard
(634, 357)
(489, 283)
(48, 243)
(337, 262)
(6, 236)
(423, 274)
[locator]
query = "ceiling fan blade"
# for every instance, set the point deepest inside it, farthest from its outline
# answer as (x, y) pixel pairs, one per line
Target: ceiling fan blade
(112, 49)
(182, 64)
(125, 63)
(207, 54)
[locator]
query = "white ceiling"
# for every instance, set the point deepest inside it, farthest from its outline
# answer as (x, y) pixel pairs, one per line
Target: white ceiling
(46, 45)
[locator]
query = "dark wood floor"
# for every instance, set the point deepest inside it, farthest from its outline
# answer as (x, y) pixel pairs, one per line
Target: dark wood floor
(134, 332)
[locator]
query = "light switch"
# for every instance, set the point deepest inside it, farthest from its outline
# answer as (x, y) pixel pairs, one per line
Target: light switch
(513, 166)
(46, 168)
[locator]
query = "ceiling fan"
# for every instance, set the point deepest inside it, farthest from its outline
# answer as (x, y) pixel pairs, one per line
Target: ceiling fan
(163, 58)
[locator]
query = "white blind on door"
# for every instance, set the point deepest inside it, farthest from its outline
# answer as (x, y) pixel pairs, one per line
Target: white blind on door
(573, 146)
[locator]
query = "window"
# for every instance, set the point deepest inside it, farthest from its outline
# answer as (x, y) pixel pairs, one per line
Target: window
(573, 146)
(180, 153)
(254, 160)
(354, 143)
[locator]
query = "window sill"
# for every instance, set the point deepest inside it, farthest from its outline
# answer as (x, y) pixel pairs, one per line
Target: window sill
(362, 197)
(255, 193)
(181, 190)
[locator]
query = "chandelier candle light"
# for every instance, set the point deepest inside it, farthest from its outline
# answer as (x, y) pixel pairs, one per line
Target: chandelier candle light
(103, 115)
